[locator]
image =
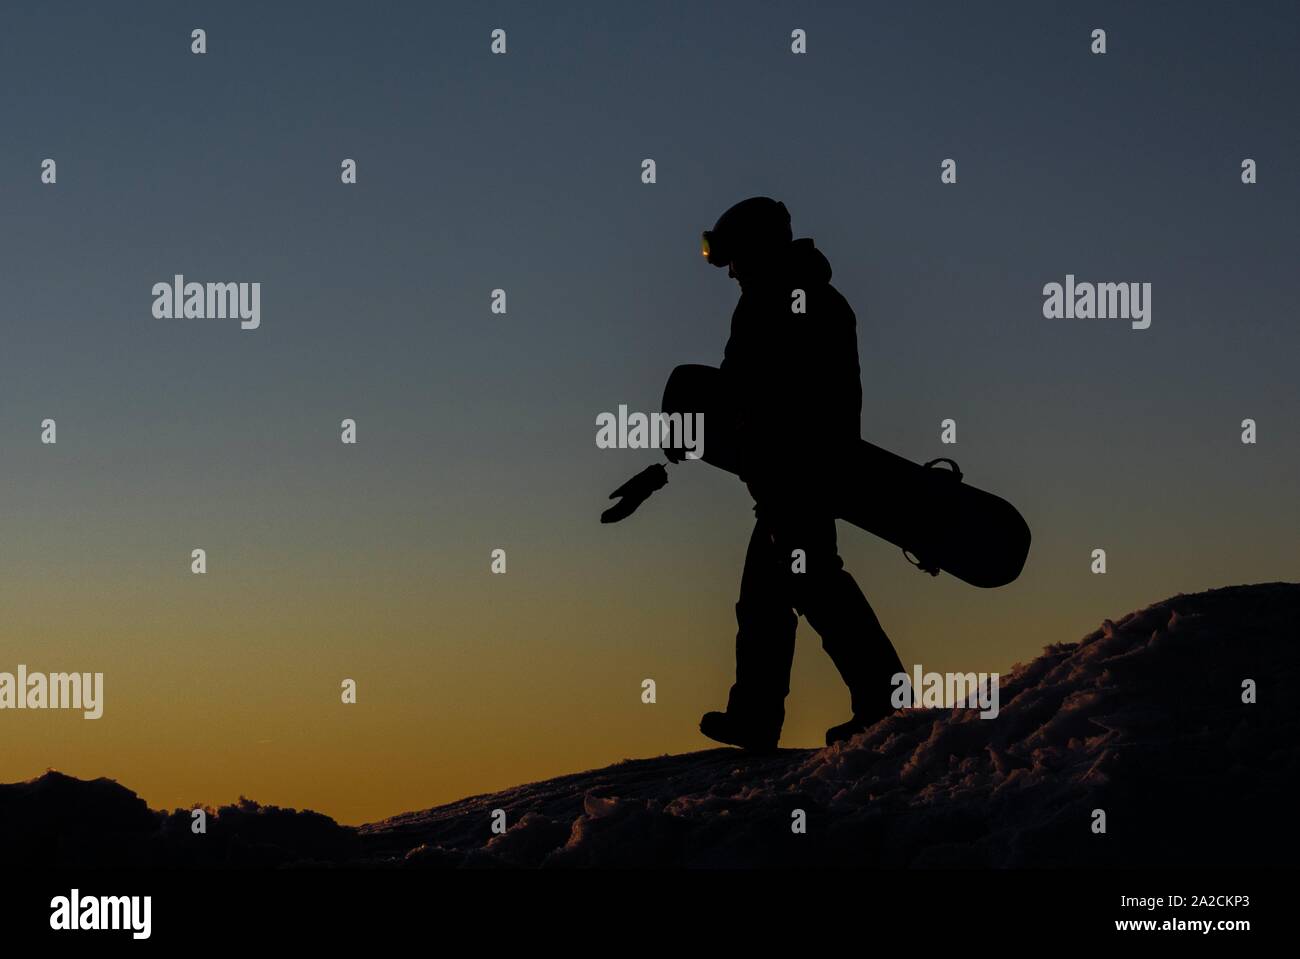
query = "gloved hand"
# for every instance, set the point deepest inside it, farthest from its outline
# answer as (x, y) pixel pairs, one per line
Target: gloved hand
(635, 492)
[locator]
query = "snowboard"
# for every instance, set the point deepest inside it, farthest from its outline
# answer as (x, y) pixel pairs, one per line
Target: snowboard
(939, 521)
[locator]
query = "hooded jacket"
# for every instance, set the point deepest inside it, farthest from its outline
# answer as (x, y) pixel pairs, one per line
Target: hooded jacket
(793, 378)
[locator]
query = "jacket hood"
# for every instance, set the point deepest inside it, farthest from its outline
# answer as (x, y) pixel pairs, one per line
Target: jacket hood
(807, 263)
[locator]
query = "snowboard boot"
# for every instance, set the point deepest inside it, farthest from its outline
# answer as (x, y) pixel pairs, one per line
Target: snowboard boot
(734, 730)
(858, 724)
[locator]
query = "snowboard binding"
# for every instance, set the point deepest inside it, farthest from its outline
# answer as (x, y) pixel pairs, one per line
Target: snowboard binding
(926, 566)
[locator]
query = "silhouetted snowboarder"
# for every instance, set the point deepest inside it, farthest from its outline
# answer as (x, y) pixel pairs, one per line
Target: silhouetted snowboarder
(792, 381)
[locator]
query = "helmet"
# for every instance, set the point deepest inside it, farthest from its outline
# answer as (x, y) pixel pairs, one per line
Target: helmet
(757, 225)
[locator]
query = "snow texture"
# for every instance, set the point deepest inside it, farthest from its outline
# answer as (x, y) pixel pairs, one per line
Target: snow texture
(1143, 719)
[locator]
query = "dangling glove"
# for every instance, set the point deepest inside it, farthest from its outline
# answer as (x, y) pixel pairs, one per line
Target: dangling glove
(635, 492)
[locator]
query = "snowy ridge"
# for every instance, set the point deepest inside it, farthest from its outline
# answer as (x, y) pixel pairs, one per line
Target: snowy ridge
(1142, 718)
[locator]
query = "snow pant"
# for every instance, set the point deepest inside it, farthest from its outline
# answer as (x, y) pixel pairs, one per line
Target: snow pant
(773, 590)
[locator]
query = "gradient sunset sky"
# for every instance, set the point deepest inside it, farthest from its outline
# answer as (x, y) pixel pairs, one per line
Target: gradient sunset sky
(477, 431)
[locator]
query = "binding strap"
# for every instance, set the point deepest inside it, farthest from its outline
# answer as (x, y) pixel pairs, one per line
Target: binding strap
(956, 474)
(956, 470)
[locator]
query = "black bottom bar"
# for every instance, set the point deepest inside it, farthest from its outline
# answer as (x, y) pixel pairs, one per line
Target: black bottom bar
(937, 909)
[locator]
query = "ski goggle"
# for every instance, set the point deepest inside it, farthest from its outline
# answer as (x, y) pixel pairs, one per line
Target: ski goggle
(712, 250)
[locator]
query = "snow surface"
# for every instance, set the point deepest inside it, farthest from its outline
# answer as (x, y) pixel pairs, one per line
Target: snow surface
(1142, 719)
